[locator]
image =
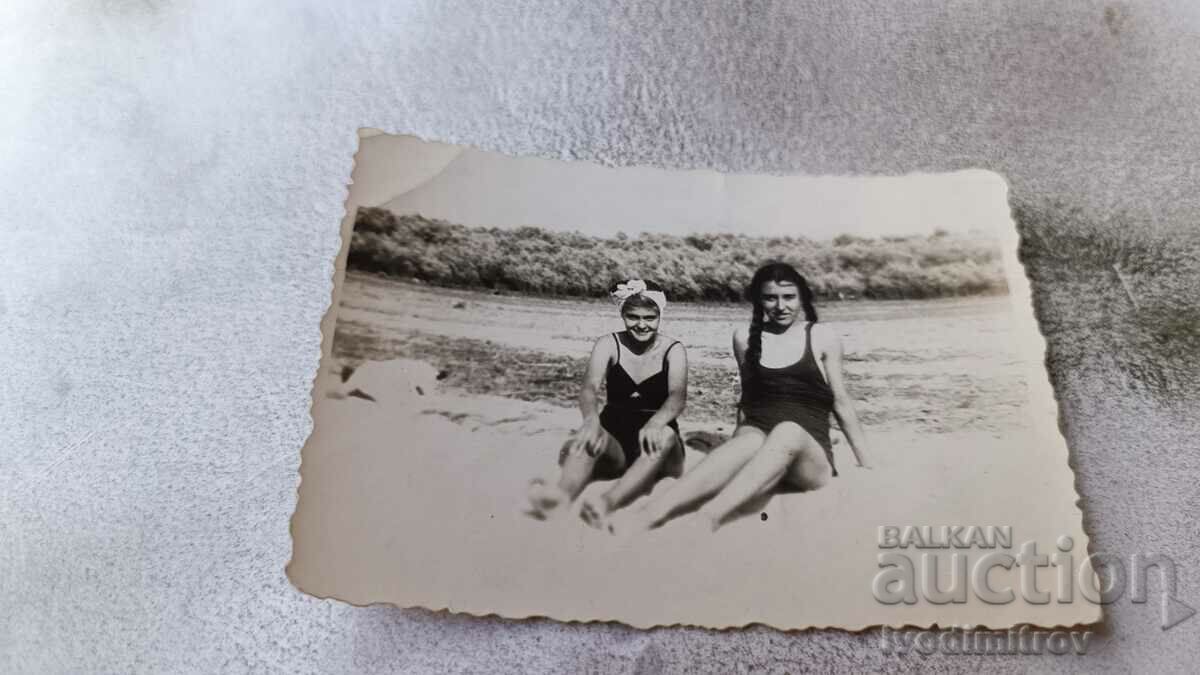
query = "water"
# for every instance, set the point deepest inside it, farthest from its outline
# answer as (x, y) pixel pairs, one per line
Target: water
(930, 365)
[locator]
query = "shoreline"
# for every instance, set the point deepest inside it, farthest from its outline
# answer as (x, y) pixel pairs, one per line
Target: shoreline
(933, 366)
(421, 284)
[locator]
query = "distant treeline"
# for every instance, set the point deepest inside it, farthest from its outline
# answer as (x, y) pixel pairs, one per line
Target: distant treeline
(691, 267)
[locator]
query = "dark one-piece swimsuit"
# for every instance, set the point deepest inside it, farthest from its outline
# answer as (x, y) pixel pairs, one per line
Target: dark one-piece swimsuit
(794, 393)
(631, 404)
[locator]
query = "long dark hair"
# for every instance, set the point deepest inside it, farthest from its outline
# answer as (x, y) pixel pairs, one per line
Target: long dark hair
(780, 273)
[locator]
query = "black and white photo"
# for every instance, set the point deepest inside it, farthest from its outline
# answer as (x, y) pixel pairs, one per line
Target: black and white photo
(554, 388)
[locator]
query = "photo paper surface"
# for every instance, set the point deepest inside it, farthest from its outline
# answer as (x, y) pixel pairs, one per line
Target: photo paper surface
(661, 397)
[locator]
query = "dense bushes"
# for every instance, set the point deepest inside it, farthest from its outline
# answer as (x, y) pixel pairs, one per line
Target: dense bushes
(692, 267)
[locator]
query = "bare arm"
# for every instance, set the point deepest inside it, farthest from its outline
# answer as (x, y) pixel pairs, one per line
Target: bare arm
(741, 341)
(654, 436)
(593, 377)
(588, 438)
(843, 405)
(677, 367)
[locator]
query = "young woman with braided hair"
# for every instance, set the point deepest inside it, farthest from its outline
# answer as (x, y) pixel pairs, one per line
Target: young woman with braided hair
(791, 373)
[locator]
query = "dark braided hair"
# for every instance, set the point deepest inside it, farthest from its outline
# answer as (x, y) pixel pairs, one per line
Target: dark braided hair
(780, 273)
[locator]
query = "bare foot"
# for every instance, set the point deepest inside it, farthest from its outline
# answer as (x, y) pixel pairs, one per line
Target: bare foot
(544, 500)
(693, 526)
(628, 522)
(707, 522)
(594, 510)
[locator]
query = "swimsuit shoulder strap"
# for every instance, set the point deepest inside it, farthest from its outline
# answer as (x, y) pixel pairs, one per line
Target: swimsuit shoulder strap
(668, 351)
(808, 348)
(618, 341)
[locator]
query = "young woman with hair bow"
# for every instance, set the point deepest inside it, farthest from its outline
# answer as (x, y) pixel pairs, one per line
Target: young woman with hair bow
(634, 438)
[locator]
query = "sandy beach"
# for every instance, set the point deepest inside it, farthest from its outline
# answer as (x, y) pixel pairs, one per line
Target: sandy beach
(429, 477)
(445, 498)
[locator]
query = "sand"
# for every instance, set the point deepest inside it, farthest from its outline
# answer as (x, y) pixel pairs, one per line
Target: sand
(416, 498)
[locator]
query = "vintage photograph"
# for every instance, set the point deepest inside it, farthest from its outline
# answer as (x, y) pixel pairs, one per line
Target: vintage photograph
(555, 388)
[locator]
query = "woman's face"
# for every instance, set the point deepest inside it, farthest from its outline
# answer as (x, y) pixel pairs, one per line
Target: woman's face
(780, 302)
(641, 322)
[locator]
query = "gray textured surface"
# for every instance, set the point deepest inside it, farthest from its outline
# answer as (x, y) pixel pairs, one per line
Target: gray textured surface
(172, 177)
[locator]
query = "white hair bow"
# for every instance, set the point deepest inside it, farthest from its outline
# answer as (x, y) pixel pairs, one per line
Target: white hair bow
(638, 287)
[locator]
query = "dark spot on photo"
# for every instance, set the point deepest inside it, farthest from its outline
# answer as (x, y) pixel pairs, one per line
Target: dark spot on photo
(1113, 19)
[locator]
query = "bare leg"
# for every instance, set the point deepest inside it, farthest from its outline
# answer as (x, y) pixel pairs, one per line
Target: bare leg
(786, 446)
(633, 483)
(810, 471)
(577, 469)
(709, 476)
